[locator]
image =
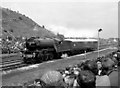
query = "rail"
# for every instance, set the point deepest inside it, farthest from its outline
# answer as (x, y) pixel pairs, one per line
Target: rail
(11, 64)
(7, 55)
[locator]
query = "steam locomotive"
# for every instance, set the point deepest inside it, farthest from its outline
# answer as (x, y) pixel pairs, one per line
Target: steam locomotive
(43, 49)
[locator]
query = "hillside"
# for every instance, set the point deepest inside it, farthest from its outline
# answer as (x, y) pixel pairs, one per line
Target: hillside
(20, 25)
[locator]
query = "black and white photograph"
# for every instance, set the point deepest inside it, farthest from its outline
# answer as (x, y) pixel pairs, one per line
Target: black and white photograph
(59, 44)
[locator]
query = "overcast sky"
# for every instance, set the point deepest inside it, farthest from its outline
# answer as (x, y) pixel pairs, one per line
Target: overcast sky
(73, 18)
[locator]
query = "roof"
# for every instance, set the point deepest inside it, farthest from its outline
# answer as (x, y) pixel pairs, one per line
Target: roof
(82, 40)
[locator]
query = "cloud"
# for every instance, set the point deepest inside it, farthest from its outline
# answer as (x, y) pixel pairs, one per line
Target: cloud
(71, 19)
(72, 32)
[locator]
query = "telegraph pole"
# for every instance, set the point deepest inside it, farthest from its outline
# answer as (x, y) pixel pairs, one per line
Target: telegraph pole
(99, 41)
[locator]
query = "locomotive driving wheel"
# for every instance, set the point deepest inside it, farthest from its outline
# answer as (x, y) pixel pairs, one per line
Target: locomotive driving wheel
(40, 57)
(46, 57)
(51, 56)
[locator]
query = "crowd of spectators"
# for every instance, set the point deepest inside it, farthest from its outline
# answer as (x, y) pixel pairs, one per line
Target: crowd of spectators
(9, 46)
(100, 72)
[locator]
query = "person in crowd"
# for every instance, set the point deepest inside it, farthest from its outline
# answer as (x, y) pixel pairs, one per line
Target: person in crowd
(109, 74)
(67, 70)
(114, 78)
(108, 81)
(92, 66)
(86, 79)
(53, 79)
(39, 82)
(88, 74)
(102, 81)
(107, 65)
(117, 57)
(69, 80)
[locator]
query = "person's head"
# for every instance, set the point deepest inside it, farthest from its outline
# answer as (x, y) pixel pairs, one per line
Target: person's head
(49, 86)
(107, 63)
(69, 79)
(92, 66)
(99, 65)
(39, 82)
(99, 59)
(86, 79)
(55, 85)
(53, 79)
(67, 68)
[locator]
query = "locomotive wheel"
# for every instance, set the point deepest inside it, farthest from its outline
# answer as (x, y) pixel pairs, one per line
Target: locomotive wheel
(46, 57)
(25, 60)
(51, 56)
(33, 61)
(30, 61)
(58, 56)
(40, 57)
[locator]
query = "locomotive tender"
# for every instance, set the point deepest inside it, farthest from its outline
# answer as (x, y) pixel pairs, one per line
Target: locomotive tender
(42, 49)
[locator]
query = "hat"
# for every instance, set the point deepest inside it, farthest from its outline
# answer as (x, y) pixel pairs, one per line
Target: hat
(86, 79)
(108, 63)
(51, 77)
(92, 66)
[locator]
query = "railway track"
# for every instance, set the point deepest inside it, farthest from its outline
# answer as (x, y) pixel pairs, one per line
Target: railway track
(10, 61)
(11, 64)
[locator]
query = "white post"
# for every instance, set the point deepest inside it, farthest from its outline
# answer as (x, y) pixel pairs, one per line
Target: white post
(98, 44)
(85, 54)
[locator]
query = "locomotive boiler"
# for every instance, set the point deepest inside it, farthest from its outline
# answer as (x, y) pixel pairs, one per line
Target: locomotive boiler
(39, 43)
(43, 49)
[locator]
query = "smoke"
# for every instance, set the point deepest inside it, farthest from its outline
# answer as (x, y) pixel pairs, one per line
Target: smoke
(72, 32)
